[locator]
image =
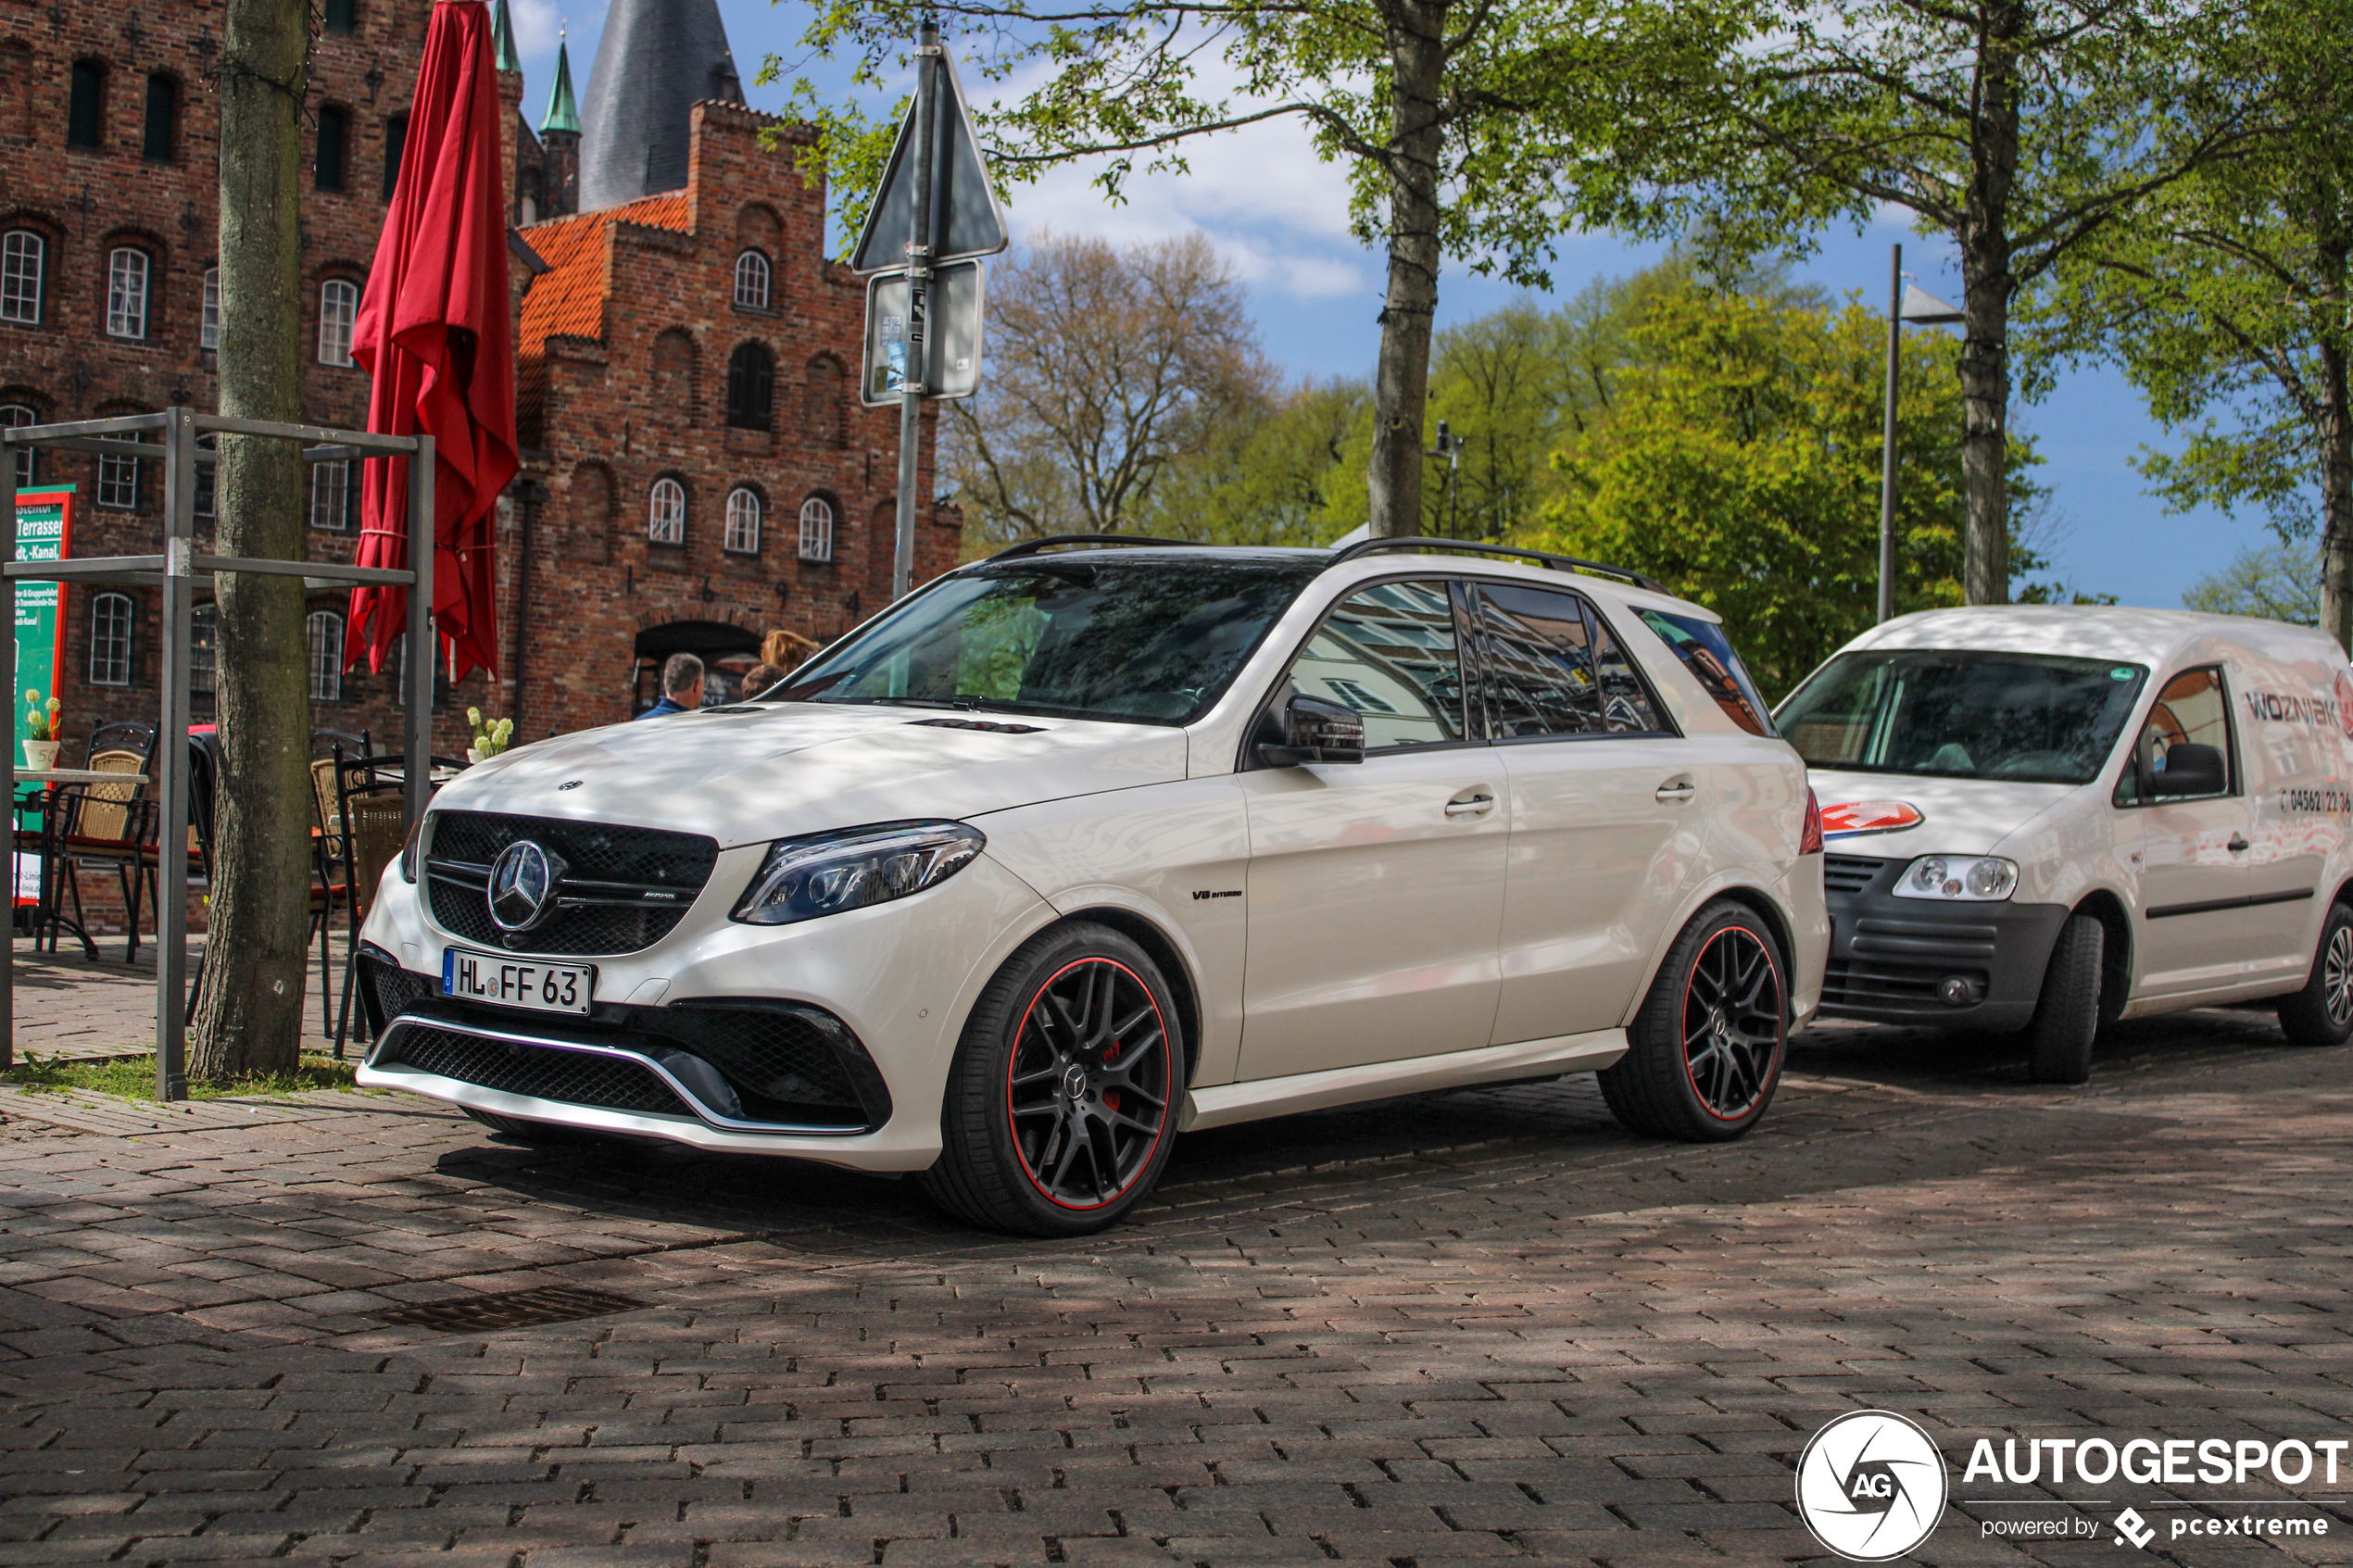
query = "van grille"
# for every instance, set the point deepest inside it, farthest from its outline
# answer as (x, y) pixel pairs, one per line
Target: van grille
(1850, 874)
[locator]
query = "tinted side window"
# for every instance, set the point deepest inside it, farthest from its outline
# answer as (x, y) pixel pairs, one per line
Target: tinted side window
(1390, 653)
(1700, 645)
(1550, 667)
(2193, 710)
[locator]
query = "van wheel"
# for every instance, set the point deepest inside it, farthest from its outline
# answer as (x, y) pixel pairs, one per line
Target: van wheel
(2066, 1017)
(1060, 1108)
(2321, 1013)
(1704, 1055)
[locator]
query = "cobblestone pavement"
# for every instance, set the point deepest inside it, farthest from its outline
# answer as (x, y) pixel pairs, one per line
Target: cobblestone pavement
(1482, 1326)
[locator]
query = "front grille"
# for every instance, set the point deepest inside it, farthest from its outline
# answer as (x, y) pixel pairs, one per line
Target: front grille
(787, 1061)
(626, 862)
(1850, 874)
(539, 1071)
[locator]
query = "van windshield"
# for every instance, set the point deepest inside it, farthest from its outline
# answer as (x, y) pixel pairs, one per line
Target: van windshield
(1962, 715)
(1148, 640)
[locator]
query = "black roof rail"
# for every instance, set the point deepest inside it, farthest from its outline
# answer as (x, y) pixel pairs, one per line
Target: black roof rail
(1557, 563)
(1035, 546)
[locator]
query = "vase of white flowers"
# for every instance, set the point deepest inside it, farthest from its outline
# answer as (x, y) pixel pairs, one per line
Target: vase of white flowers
(40, 723)
(490, 739)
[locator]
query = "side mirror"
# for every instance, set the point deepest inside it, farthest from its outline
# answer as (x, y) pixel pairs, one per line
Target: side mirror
(2191, 768)
(1315, 731)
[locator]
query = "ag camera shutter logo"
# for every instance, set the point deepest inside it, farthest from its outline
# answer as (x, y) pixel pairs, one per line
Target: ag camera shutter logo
(1871, 1485)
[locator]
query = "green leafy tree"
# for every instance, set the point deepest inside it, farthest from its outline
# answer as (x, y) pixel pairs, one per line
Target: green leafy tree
(1452, 118)
(2273, 582)
(1739, 463)
(2018, 129)
(1294, 476)
(2229, 300)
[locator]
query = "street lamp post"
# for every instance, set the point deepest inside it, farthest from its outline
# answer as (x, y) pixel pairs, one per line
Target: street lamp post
(1921, 309)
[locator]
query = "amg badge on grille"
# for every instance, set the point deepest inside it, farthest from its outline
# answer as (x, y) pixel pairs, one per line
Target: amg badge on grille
(522, 885)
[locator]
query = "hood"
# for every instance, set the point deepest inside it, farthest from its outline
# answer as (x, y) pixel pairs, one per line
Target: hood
(752, 773)
(1957, 816)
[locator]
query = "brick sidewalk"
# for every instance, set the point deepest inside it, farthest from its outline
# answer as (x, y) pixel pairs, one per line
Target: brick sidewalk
(1480, 1326)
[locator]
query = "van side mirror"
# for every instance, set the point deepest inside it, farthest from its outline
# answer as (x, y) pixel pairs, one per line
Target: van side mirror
(2191, 768)
(1315, 731)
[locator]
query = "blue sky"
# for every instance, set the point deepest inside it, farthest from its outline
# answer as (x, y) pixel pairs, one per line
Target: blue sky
(1280, 217)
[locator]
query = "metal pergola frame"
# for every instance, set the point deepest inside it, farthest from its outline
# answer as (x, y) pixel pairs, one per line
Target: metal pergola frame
(175, 571)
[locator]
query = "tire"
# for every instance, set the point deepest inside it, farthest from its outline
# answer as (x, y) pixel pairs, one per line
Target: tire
(1061, 1106)
(1705, 1053)
(2321, 1013)
(540, 1135)
(2067, 1016)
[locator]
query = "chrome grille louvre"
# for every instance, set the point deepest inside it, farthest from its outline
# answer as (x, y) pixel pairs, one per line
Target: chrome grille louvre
(624, 889)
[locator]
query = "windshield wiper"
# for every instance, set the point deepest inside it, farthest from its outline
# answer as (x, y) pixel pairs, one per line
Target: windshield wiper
(955, 704)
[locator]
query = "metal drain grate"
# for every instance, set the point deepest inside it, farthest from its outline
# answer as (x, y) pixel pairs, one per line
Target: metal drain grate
(517, 1309)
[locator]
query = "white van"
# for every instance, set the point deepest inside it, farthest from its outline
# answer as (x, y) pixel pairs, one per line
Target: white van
(2049, 818)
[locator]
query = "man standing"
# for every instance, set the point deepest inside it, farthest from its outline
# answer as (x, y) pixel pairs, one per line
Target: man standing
(681, 686)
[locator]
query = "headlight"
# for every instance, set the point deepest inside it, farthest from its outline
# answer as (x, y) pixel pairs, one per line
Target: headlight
(1964, 879)
(825, 875)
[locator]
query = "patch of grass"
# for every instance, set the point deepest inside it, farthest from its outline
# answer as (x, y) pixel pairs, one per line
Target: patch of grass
(133, 1077)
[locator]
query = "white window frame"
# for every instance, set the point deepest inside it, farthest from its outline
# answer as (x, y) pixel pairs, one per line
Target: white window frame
(118, 482)
(743, 522)
(127, 271)
(23, 254)
(755, 279)
(16, 416)
(322, 646)
(666, 512)
(204, 650)
(816, 529)
(338, 309)
(209, 318)
(112, 616)
(330, 507)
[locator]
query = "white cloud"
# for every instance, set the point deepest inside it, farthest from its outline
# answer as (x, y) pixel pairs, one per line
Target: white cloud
(537, 24)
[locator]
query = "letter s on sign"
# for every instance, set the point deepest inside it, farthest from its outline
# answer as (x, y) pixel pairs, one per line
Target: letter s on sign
(2214, 1461)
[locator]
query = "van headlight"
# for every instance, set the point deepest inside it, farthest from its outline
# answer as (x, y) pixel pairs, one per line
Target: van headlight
(826, 873)
(1964, 879)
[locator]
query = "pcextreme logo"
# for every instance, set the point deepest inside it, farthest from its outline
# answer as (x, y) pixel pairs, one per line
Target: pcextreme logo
(1871, 1485)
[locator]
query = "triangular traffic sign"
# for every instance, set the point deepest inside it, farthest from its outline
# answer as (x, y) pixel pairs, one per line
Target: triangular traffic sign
(966, 220)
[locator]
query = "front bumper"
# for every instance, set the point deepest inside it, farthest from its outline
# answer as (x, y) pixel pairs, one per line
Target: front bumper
(1892, 959)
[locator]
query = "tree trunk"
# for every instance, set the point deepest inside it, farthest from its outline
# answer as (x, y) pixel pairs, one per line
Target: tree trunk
(249, 1019)
(2337, 495)
(1987, 285)
(1401, 380)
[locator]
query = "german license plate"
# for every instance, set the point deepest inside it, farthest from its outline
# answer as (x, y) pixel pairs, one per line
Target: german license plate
(511, 981)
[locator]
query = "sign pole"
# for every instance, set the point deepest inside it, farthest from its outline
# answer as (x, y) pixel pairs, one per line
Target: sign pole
(910, 389)
(1887, 439)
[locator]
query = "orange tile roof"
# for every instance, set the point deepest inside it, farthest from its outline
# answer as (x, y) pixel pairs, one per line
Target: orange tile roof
(567, 300)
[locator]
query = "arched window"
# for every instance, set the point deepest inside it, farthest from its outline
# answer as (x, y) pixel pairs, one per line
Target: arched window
(331, 495)
(209, 322)
(16, 416)
(816, 529)
(160, 137)
(396, 137)
(22, 252)
(86, 110)
(324, 629)
(743, 522)
(666, 513)
(338, 308)
(751, 387)
(751, 280)
(110, 618)
(127, 292)
(334, 143)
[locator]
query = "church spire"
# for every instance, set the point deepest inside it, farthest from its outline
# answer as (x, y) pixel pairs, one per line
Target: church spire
(655, 59)
(502, 39)
(563, 115)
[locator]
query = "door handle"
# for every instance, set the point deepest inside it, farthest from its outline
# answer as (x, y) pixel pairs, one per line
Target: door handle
(1674, 791)
(1475, 801)
(2238, 841)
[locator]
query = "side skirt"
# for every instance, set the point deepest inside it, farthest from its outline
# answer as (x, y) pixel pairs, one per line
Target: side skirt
(1228, 1103)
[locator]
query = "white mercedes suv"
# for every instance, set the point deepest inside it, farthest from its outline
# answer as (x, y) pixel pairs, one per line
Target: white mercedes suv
(1098, 841)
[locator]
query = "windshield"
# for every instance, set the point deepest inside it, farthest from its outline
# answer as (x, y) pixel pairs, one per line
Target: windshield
(1958, 715)
(1149, 642)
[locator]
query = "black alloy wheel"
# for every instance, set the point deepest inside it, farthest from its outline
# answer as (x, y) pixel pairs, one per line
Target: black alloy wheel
(1061, 1107)
(2321, 1013)
(1705, 1053)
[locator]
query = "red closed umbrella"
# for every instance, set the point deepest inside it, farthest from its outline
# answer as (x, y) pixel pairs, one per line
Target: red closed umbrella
(434, 334)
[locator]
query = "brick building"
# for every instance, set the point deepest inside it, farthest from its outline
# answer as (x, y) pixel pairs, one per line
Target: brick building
(697, 467)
